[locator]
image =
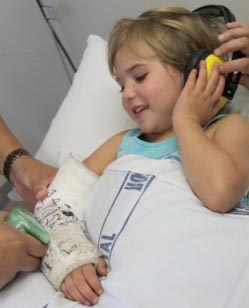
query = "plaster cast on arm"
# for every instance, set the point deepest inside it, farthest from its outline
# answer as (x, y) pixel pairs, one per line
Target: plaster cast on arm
(62, 214)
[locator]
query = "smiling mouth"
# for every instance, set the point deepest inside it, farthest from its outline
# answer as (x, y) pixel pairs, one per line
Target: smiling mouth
(140, 108)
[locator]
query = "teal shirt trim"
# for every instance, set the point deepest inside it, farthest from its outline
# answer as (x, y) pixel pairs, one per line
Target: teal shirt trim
(131, 144)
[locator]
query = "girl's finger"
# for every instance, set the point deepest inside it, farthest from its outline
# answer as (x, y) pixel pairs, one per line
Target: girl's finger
(219, 88)
(102, 267)
(202, 76)
(63, 289)
(213, 79)
(92, 280)
(191, 80)
(73, 293)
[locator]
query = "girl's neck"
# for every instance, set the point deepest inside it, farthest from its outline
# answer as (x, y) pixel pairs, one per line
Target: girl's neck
(157, 137)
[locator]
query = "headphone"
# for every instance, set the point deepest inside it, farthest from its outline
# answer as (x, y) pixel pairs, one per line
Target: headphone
(232, 79)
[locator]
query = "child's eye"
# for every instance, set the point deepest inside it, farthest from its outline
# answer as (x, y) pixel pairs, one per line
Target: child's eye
(140, 78)
(122, 89)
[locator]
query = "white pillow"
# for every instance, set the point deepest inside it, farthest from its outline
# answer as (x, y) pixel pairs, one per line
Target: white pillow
(91, 111)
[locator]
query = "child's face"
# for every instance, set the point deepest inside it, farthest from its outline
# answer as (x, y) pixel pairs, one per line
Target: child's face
(149, 92)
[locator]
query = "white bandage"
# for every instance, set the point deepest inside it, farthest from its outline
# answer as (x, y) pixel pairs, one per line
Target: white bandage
(62, 214)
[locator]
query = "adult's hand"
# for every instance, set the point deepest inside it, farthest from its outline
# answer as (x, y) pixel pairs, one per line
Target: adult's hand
(236, 38)
(31, 178)
(18, 252)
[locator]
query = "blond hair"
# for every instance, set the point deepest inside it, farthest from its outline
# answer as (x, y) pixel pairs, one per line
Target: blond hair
(171, 33)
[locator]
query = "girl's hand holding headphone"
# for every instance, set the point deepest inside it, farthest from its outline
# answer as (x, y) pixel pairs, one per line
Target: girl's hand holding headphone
(199, 99)
(235, 38)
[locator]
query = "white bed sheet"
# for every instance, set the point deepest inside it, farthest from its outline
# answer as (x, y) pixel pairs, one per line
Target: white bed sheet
(28, 290)
(164, 248)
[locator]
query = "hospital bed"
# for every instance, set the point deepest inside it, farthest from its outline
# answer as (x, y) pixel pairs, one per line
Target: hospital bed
(190, 257)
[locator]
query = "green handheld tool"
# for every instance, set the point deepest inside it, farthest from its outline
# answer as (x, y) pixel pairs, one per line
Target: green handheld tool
(25, 221)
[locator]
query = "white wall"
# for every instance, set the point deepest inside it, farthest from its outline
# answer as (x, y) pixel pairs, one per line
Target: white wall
(79, 18)
(32, 79)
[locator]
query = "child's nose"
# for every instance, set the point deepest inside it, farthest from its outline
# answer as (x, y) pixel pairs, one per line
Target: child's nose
(128, 93)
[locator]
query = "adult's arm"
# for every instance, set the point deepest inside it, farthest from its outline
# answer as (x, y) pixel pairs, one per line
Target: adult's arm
(29, 175)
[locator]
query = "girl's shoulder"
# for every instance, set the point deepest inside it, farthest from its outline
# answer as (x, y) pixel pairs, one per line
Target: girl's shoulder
(229, 126)
(105, 153)
(232, 121)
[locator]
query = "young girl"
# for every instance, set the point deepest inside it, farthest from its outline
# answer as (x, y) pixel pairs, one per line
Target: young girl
(175, 133)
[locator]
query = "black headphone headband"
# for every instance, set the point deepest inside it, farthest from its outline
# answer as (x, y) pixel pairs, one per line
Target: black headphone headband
(215, 11)
(209, 12)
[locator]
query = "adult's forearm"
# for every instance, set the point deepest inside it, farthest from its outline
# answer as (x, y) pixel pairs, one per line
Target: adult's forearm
(8, 142)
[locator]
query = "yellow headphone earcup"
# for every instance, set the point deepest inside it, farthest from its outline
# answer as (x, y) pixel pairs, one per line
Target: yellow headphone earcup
(210, 60)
